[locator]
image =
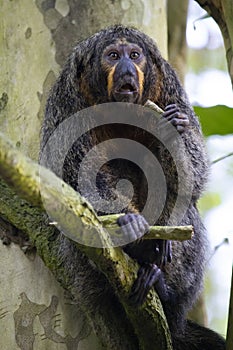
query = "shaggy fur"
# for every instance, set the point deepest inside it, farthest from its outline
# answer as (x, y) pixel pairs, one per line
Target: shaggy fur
(82, 83)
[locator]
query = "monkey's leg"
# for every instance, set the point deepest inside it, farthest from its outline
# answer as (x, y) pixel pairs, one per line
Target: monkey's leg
(173, 115)
(149, 275)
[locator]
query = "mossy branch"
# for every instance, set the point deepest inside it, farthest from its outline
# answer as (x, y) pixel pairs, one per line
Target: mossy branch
(172, 233)
(73, 214)
(67, 208)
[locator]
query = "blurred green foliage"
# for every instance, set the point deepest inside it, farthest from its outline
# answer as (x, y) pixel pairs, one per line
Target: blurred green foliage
(205, 59)
(216, 120)
(209, 201)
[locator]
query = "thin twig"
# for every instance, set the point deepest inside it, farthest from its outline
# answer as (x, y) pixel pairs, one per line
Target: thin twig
(221, 158)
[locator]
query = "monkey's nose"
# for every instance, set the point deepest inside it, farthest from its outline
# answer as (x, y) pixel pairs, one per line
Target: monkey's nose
(123, 68)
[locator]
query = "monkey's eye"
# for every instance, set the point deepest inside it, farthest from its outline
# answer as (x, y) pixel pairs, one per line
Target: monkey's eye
(134, 55)
(114, 55)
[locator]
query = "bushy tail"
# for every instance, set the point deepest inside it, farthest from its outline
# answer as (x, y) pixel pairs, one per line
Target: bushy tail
(196, 337)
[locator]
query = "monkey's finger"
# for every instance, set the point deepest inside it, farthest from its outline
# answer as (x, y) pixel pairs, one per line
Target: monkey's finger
(178, 121)
(178, 116)
(180, 124)
(138, 293)
(180, 128)
(143, 224)
(134, 226)
(139, 280)
(171, 113)
(171, 106)
(139, 224)
(137, 298)
(169, 251)
(126, 228)
(164, 253)
(129, 231)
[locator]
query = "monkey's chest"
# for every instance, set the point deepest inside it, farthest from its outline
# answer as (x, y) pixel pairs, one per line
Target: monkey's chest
(125, 180)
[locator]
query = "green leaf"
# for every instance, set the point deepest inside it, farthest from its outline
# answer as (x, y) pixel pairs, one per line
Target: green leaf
(209, 201)
(215, 120)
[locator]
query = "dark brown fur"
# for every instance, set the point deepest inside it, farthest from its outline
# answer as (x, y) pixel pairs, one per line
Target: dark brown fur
(83, 82)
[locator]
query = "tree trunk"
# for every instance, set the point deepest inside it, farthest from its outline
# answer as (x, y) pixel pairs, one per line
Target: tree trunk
(36, 312)
(222, 13)
(177, 47)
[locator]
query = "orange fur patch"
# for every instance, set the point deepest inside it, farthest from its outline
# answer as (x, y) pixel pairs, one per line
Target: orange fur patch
(110, 79)
(140, 79)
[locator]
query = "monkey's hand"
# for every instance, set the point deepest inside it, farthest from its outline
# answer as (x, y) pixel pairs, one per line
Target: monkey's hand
(134, 226)
(149, 275)
(173, 115)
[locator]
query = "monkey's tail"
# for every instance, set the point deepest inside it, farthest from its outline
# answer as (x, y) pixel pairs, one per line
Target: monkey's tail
(196, 337)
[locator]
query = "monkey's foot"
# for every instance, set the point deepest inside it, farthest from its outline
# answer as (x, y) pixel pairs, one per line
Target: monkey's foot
(148, 275)
(173, 115)
(134, 226)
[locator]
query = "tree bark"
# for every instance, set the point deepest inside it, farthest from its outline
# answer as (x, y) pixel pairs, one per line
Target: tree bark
(177, 47)
(222, 13)
(229, 345)
(36, 37)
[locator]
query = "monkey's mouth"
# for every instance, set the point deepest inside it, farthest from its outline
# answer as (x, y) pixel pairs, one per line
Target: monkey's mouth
(126, 92)
(127, 89)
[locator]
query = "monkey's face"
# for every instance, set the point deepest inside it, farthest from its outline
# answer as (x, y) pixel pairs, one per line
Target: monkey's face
(124, 63)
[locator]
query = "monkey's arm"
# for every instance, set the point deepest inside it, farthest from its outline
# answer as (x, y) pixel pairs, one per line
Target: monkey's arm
(186, 123)
(190, 130)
